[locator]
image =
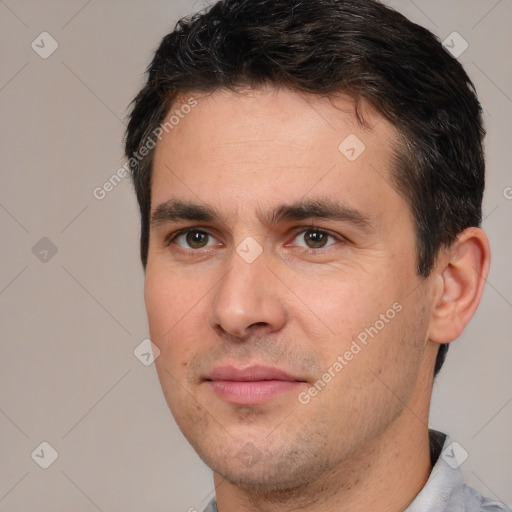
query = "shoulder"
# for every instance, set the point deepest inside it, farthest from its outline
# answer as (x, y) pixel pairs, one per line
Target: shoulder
(475, 502)
(445, 489)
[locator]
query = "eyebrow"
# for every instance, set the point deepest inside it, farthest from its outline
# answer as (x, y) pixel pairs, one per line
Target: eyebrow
(175, 210)
(317, 208)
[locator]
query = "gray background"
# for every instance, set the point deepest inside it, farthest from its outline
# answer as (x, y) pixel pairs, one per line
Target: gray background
(70, 324)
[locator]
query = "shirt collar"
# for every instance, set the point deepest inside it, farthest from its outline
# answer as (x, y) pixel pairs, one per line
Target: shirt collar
(443, 491)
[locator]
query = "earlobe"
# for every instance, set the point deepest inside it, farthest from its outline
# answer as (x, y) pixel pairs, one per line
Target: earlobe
(461, 277)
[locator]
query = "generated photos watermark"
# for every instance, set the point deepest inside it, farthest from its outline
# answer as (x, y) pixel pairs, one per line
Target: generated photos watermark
(174, 119)
(357, 345)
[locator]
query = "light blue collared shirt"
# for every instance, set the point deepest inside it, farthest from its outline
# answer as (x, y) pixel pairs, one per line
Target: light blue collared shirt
(445, 490)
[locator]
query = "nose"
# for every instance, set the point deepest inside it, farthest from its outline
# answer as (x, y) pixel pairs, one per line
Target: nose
(248, 301)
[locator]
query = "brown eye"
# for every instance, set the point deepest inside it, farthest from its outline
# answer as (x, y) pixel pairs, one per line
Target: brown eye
(192, 239)
(315, 239)
(196, 239)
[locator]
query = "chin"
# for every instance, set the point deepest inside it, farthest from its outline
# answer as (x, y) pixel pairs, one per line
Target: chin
(265, 473)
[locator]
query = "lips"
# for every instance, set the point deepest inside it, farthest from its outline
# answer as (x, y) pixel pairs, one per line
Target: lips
(251, 386)
(250, 374)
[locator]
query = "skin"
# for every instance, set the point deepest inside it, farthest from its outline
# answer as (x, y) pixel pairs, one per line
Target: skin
(298, 309)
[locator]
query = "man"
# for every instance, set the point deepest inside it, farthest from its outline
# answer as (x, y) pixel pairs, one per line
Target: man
(310, 177)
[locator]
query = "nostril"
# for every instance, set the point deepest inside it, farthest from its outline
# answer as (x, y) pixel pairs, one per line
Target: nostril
(258, 324)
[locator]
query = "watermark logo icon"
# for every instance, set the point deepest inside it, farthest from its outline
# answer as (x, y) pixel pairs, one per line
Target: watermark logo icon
(454, 455)
(249, 250)
(352, 147)
(44, 455)
(456, 44)
(146, 352)
(44, 250)
(249, 455)
(44, 45)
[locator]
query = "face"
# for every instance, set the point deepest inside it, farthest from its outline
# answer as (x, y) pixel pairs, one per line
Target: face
(281, 286)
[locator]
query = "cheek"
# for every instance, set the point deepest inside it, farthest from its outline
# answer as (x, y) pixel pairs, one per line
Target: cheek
(172, 326)
(394, 347)
(363, 321)
(171, 306)
(339, 306)
(159, 308)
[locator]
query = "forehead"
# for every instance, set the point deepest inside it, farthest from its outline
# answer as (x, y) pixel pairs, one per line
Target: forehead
(244, 149)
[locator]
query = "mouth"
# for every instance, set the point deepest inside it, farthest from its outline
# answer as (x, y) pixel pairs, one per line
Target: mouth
(253, 385)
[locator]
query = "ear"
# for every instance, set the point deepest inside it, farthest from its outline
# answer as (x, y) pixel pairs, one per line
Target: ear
(462, 271)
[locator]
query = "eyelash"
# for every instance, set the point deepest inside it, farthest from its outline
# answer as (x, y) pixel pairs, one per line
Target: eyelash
(304, 229)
